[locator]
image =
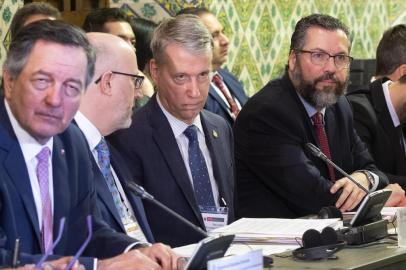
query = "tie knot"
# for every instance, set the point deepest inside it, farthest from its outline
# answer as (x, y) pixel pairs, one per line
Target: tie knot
(103, 150)
(191, 133)
(43, 154)
(317, 118)
(217, 78)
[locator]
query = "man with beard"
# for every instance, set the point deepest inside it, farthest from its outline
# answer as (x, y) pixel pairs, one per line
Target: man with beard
(276, 175)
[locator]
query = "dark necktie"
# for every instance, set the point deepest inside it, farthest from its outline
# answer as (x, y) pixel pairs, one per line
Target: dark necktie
(323, 142)
(198, 168)
(43, 180)
(231, 102)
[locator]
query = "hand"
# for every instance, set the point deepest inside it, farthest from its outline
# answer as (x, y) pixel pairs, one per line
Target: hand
(397, 198)
(351, 194)
(134, 259)
(161, 254)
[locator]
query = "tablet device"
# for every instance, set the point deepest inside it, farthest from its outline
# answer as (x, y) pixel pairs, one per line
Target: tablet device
(370, 208)
(208, 249)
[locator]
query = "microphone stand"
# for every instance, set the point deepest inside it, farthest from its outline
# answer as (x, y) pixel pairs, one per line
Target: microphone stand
(140, 192)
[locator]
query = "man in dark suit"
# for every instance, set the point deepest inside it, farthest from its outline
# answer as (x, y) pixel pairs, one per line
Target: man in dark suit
(379, 112)
(117, 82)
(226, 94)
(180, 153)
(276, 175)
(46, 168)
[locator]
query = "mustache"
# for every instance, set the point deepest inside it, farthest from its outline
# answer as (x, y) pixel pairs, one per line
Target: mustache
(326, 76)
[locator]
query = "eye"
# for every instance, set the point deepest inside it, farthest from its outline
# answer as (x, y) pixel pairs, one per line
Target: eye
(341, 58)
(41, 83)
(318, 55)
(203, 77)
(72, 90)
(180, 78)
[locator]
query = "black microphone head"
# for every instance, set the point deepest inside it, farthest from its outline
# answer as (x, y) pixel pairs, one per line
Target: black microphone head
(311, 238)
(315, 151)
(329, 236)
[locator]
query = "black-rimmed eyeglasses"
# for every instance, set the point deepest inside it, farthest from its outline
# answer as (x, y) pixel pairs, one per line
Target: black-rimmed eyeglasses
(321, 58)
(138, 80)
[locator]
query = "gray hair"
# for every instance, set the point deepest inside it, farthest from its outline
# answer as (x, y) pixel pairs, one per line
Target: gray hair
(52, 31)
(187, 31)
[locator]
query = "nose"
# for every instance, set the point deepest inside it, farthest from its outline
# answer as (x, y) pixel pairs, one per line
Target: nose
(54, 96)
(193, 88)
(223, 39)
(330, 66)
(138, 94)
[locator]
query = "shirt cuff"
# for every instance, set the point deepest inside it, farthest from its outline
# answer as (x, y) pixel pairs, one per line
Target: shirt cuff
(95, 264)
(372, 178)
(137, 245)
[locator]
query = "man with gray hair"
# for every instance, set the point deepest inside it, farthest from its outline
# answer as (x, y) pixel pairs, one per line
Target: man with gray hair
(180, 153)
(45, 167)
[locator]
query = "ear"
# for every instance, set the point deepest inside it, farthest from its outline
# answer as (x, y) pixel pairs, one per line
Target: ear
(153, 69)
(106, 84)
(8, 83)
(292, 60)
(401, 70)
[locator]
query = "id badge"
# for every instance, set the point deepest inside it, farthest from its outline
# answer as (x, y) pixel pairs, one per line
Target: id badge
(214, 217)
(133, 230)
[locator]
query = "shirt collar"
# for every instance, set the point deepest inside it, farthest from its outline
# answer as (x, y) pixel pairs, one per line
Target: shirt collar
(91, 133)
(29, 145)
(178, 126)
(393, 114)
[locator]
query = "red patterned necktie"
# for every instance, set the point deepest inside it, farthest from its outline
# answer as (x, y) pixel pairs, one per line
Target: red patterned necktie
(323, 142)
(220, 84)
(43, 180)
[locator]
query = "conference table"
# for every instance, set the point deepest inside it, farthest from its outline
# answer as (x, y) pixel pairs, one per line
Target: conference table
(385, 256)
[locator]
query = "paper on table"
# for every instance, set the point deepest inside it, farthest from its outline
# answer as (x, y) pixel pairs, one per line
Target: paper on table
(238, 249)
(260, 230)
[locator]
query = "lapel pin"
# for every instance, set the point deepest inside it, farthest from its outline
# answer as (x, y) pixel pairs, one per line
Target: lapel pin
(215, 134)
(62, 152)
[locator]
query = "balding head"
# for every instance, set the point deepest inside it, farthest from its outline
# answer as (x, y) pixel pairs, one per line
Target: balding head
(109, 99)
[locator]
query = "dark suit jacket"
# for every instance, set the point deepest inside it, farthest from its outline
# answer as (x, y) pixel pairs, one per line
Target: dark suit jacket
(216, 104)
(153, 156)
(74, 198)
(375, 127)
(276, 176)
(105, 200)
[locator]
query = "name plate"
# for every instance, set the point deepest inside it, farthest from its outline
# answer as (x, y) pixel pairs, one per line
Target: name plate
(251, 260)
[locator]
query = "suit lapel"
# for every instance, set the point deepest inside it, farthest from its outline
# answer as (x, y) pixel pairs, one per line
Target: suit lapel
(217, 97)
(164, 138)
(214, 141)
(61, 186)
(104, 193)
(136, 202)
(15, 168)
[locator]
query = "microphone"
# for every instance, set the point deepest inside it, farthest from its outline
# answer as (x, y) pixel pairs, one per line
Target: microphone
(140, 192)
(52, 247)
(85, 243)
(318, 153)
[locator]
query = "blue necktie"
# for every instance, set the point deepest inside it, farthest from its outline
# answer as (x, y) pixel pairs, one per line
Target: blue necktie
(198, 168)
(103, 156)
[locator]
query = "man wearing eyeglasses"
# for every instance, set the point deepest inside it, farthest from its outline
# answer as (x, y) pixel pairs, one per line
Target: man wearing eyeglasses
(105, 107)
(276, 175)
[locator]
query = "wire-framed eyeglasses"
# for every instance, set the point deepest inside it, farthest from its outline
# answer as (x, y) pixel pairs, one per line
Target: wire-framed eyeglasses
(138, 79)
(321, 58)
